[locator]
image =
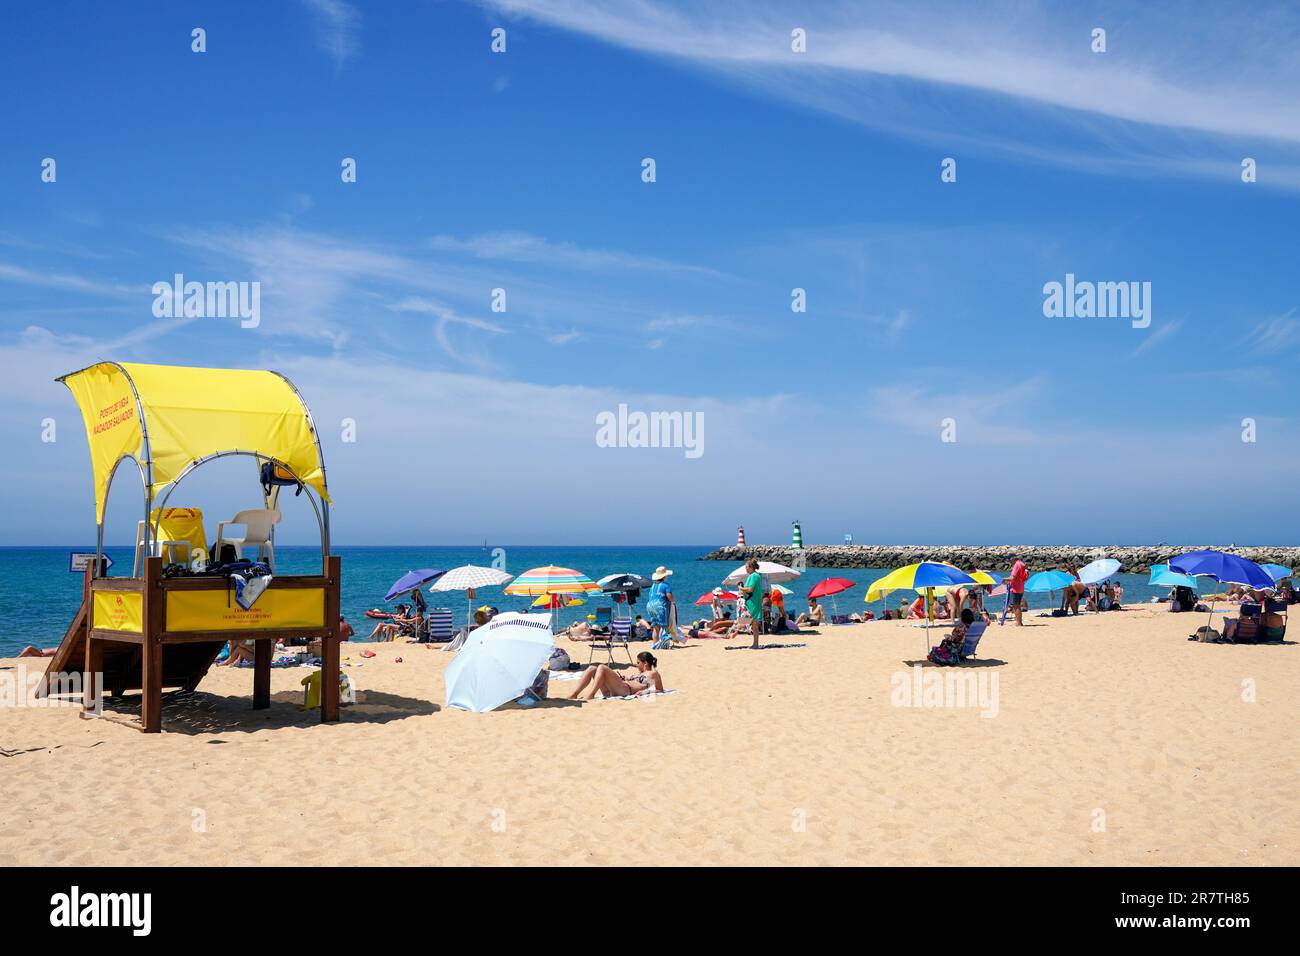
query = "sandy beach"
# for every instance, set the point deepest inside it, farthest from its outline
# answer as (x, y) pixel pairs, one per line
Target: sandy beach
(1113, 740)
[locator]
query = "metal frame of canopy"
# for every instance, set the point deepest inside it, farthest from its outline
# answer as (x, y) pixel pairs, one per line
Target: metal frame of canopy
(191, 615)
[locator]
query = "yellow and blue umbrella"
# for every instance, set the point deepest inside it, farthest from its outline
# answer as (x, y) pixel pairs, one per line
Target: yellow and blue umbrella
(922, 576)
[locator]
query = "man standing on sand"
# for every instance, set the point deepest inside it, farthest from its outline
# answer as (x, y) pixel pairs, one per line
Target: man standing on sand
(752, 592)
(1016, 590)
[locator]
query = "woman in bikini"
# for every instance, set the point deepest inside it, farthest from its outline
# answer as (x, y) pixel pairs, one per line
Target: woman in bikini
(600, 677)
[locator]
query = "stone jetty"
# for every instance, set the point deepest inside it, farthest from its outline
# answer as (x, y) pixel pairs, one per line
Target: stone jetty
(1038, 557)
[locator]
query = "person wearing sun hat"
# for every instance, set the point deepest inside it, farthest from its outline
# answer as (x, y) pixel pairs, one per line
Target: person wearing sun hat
(659, 600)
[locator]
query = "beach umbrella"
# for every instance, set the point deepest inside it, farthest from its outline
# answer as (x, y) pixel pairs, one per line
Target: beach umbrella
(1049, 581)
(499, 661)
(772, 573)
(624, 582)
(1277, 571)
(990, 578)
(785, 591)
(1224, 568)
(1162, 577)
(708, 596)
(412, 580)
(1098, 570)
(924, 574)
(555, 601)
(467, 578)
(551, 580)
(829, 588)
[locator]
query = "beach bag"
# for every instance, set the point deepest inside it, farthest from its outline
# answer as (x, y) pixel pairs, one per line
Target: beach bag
(559, 660)
(1184, 597)
(944, 653)
(1208, 635)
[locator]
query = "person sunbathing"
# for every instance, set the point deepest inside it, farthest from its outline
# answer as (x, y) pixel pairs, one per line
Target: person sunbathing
(31, 650)
(816, 614)
(240, 651)
(607, 681)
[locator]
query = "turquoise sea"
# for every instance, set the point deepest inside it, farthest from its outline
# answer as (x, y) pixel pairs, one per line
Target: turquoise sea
(40, 594)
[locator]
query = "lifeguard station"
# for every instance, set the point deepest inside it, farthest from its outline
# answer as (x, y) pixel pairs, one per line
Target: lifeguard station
(151, 631)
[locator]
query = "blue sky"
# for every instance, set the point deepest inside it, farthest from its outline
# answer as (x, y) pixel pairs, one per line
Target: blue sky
(775, 170)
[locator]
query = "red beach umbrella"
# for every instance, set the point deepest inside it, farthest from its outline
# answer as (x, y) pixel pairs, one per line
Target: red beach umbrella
(829, 588)
(708, 596)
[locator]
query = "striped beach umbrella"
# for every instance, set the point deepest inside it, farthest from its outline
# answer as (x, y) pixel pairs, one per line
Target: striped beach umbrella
(551, 580)
(796, 536)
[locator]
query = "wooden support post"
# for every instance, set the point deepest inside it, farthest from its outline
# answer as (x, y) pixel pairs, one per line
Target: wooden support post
(262, 651)
(329, 657)
(93, 665)
(151, 671)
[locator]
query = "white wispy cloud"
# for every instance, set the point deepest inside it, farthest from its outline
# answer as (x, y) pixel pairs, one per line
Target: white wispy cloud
(1170, 94)
(336, 26)
(1161, 333)
(68, 282)
(525, 247)
(1280, 332)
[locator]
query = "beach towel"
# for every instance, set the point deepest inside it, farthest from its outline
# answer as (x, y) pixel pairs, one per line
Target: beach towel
(761, 647)
(250, 585)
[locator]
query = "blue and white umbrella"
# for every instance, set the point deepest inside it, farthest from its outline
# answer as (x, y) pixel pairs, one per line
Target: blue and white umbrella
(499, 661)
(1099, 571)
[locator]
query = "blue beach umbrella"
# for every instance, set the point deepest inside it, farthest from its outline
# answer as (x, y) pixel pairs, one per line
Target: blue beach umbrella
(1049, 581)
(412, 580)
(1162, 577)
(498, 661)
(1276, 571)
(1223, 567)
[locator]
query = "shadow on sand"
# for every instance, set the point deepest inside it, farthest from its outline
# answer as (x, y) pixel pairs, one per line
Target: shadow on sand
(197, 712)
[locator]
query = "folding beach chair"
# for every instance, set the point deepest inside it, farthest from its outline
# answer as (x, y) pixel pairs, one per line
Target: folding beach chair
(1274, 606)
(620, 630)
(604, 615)
(972, 641)
(437, 621)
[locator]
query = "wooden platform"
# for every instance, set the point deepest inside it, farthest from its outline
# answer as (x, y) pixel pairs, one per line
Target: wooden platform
(154, 633)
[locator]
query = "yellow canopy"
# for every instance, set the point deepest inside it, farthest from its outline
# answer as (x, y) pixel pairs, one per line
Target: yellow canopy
(188, 414)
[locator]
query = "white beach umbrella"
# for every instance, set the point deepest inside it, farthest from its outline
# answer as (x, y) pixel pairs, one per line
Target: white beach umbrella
(499, 661)
(466, 578)
(772, 572)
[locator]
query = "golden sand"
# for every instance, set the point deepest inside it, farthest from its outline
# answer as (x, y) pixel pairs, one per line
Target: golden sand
(1115, 741)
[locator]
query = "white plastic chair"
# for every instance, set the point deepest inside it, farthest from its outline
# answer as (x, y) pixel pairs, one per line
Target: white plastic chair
(161, 549)
(258, 524)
